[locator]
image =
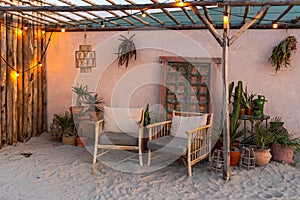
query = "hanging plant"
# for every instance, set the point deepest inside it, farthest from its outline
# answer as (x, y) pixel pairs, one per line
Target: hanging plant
(126, 50)
(281, 54)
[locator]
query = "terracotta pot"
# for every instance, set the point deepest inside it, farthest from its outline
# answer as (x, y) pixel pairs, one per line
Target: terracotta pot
(80, 142)
(76, 109)
(235, 157)
(242, 111)
(282, 154)
(94, 116)
(262, 157)
(249, 111)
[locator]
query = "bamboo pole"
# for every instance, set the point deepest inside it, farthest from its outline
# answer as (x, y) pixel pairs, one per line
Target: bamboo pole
(34, 71)
(226, 141)
(9, 86)
(19, 119)
(2, 78)
(40, 85)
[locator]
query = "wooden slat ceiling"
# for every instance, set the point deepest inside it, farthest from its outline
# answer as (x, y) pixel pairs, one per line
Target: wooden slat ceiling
(105, 15)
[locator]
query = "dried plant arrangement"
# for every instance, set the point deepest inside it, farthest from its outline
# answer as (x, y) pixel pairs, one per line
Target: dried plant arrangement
(126, 50)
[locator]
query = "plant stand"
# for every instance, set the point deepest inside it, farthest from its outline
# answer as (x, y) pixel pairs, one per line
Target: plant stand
(247, 158)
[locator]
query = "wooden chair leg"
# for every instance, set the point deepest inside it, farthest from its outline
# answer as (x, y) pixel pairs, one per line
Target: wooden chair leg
(190, 169)
(140, 156)
(95, 154)
(149, 157)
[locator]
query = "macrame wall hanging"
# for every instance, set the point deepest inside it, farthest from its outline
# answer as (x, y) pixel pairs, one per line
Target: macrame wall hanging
(85, 57)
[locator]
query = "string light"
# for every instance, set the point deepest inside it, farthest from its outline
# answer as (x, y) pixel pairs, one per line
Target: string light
(17, 74)
(63, 30)
(225, 20)
(180, 2)
(102, 24)
(274, 25)
(144, 14)
(40, 64)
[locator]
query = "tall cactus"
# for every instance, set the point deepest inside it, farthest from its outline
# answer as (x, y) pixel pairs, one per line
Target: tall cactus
(234, 120)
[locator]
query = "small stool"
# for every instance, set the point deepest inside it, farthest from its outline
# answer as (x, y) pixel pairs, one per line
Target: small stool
(247, 158)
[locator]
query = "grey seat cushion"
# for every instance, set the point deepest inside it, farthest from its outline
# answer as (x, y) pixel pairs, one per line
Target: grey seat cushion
(125, 139)
(168, 144)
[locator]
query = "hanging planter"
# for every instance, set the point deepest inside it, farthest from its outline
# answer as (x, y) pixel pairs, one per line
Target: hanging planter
(126, 50)
(281, 54)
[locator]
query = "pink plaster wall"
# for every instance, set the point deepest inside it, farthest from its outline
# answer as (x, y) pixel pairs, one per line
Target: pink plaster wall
(137, 84)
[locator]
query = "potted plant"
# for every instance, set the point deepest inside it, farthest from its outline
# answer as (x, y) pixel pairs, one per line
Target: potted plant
(262, 138)
(82, 93)
(66, 123)
(126, 50)
(276, 123)
(248, 101)
(281, 54)
(284, 145)
(94, 102)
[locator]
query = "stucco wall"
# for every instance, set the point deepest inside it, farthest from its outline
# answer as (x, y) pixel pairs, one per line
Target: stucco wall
(137, 85)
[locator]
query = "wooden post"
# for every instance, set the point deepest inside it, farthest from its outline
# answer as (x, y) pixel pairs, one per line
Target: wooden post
(226, 141)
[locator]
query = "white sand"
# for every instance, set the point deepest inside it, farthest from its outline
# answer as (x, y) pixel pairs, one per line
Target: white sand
(56, 171)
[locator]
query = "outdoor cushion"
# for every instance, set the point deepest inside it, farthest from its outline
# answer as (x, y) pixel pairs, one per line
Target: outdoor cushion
(168, 144)
(180, 125)
(118, 139)
(118, 120)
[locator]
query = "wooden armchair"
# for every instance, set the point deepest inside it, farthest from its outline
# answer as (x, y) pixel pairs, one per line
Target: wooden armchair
(187, 135)
(120, 128)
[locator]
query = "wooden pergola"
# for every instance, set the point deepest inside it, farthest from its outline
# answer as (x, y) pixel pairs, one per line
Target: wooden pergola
(42, 15)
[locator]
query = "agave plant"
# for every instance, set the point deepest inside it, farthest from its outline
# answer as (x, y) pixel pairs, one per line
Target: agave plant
(281, 54)
(126, 50)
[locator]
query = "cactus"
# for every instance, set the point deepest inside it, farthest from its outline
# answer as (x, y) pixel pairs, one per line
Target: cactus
(234, 120)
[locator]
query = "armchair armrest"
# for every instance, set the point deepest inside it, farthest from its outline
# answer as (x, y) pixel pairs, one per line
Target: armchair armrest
(159, 129)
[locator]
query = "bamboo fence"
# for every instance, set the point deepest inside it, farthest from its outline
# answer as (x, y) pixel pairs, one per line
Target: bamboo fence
(23, 98)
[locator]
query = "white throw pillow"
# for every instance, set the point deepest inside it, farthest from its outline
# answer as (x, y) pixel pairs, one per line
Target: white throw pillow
(121, 119)
(180, 125)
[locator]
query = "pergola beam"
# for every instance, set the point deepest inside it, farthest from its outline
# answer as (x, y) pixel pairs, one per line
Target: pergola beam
(210, 27)
(284, 13)
(147, 6)
(249, 23)
(167, 12)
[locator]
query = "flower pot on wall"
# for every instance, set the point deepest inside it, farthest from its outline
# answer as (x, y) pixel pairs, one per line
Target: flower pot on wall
(281, 153)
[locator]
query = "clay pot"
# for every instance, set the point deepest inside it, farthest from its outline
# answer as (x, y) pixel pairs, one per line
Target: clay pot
(80, 142)
(282, 154)
(94, 116)
(76, 110)
(243, 111)
(262, 157)
(249, 111)
(235, 157)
